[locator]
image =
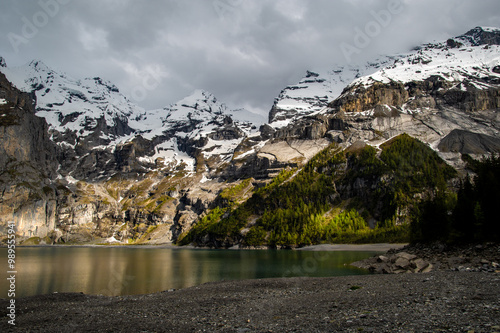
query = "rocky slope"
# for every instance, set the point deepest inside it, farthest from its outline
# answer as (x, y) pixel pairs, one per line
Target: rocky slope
(112, 170)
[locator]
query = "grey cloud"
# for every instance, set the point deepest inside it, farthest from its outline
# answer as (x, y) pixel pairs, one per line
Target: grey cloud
(244, 52)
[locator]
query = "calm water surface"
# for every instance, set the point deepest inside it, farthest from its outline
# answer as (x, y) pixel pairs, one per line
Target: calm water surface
(127, 271)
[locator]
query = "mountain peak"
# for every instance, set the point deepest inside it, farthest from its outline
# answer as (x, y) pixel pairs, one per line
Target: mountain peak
(200, 105)
(482, 36)
(199, 101)
(199, 96)
(39, 65)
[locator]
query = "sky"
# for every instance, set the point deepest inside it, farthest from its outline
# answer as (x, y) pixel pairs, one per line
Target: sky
(243, 51)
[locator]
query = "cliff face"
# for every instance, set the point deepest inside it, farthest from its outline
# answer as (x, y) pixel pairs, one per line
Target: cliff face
(432, 92)
(27, 165)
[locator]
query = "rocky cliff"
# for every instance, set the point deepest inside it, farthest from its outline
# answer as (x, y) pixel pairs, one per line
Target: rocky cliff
(27, 165)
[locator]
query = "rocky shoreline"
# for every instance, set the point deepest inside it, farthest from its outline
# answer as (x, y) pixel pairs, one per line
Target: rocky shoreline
(446, 299)
(420, 258)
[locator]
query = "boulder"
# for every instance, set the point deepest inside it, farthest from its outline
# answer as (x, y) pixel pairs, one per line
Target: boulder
(402, 263)
(406, 256)
(420, 265)
(382, 259)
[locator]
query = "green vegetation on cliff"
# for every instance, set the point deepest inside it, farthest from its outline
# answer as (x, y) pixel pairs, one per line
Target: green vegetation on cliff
(332, 199)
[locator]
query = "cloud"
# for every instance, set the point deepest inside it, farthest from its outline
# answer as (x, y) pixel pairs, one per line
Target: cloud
(244, 52)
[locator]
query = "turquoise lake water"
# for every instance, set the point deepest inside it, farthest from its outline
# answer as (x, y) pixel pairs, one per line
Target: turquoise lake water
(134, 270)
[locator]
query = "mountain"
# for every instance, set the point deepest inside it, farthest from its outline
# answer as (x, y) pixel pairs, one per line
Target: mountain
(93, 115)
(71, 105)
(389, 131)
(96, 136)
(26, 163)
(429, 92)
(313, 93)
(111, 170)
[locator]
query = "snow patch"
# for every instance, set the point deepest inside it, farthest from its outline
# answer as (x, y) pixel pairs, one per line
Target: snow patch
(204, 179)
(451, 64)
(111, 239)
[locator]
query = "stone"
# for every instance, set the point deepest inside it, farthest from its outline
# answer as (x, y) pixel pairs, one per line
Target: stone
(382, 269)
(382, 259)
(402, 263)
(420, 264)
(406, 256)
(428, 269)
(399, 271)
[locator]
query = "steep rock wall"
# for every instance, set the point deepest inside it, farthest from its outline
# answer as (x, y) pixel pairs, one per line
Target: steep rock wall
(27, 165)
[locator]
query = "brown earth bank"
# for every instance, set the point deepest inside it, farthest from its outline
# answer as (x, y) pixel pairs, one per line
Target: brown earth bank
(444, 299)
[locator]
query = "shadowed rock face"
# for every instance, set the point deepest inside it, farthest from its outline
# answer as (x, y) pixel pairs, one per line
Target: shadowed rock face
(460, 141)
(27, 164)
(480, 36)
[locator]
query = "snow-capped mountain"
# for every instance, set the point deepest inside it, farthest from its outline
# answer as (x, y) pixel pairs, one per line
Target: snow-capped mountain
(201, 109)
(442, 88)
(197, 124)
(455, 71)
(313, 92)
(472, 59)
(75, 105)
(94, 114)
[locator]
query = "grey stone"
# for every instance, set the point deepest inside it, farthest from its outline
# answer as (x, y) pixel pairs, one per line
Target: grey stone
(420, 264)
(428, 269)
(406, 256)
(382, 259)
(402, 263)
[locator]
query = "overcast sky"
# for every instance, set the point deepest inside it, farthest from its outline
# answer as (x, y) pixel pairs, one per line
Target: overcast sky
(243, 51)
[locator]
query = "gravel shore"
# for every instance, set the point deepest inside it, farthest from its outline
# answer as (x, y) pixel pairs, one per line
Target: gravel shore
(437, 301)
(444, 300)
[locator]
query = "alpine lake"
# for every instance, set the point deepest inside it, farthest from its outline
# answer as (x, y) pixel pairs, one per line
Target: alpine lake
(129, 270)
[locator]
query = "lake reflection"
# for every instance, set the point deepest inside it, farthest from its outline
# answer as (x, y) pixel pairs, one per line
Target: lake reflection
(132, 270)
